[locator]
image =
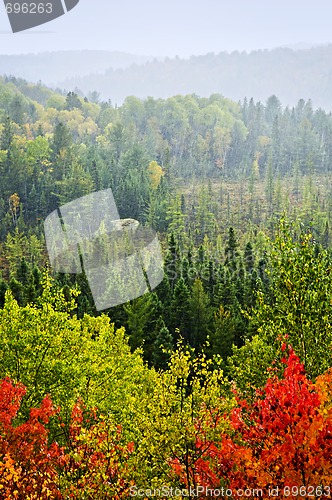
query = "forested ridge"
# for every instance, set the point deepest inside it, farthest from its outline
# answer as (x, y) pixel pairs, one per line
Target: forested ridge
(56, 66)
(290, 74)
(221, 376)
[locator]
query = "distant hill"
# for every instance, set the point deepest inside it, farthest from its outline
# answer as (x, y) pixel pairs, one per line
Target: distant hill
(290, 74)
(52, 67)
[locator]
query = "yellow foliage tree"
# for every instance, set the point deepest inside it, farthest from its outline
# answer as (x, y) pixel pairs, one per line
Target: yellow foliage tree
(156, 173)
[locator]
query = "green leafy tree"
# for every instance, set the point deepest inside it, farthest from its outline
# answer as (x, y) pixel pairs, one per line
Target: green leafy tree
(52, 352)
(298, 308)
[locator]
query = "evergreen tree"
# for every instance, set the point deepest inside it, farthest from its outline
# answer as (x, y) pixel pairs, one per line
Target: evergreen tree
(326, 235)
(231, 252)
(7, 135)
(62, 140)
(223, 333)
(180, 308)
(200, 315)
(162, 347)
(172, 261)
(249, 259)
(73, 101)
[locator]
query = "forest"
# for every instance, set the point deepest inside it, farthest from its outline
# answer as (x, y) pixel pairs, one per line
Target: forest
(117, 75)
(257, 74)
(219, 381)
(57, 66)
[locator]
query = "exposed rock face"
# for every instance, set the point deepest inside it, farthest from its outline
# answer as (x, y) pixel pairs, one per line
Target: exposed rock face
(120, 224)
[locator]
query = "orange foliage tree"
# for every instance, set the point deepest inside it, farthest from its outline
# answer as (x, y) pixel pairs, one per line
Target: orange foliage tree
(95, 465)
(279, 442)
(28, 464)
(91, 465)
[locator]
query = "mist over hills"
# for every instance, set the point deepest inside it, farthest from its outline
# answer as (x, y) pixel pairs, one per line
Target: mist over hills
(290, 74)
(52, 67)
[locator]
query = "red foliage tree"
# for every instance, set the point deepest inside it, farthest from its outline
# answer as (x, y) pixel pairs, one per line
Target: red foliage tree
(96, 463)
(282, 439)
(28, 464)
(92, 466)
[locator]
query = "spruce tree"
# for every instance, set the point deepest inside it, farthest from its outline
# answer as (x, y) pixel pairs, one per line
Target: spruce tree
(162, 346)
(180, 309)
(200, 315)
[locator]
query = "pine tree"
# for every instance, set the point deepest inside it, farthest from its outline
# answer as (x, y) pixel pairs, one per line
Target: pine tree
(3, 289)
(62, 140)
(222, 334)
(172, 261)
(180, 308)
(200, 315)
(162, 346)
(7, 135)
(231, 252)
(326, 235)
(269, 186)
(249, 259)
(73, 101)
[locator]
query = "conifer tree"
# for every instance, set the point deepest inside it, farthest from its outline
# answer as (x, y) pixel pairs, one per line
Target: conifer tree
(231, 252)
(180, 308)
(162, 347)
(200, 314)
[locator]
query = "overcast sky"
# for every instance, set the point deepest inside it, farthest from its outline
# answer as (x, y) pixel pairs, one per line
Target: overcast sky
(176, 27)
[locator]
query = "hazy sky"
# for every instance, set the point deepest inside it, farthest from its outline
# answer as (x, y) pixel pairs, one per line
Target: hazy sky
(176, 27)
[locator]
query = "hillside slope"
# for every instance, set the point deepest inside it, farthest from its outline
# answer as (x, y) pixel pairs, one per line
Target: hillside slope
(290, 74)
(52, 67)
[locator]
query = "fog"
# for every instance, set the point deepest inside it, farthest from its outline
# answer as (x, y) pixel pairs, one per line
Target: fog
(176, 27)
